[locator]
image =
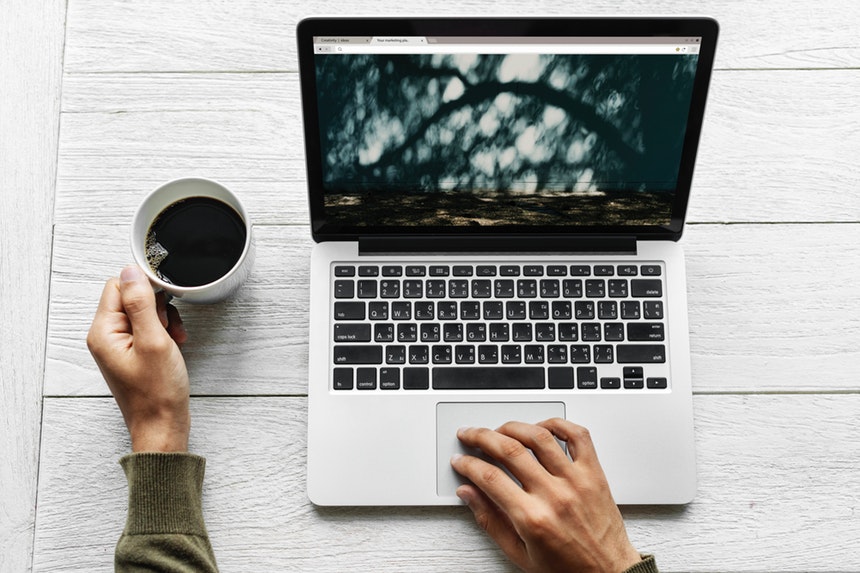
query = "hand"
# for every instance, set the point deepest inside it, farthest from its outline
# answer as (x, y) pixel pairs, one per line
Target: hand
(563, 518)
(135, 339)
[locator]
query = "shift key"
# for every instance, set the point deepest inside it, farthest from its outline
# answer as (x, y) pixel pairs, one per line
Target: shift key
(641, 353)
(357, 354)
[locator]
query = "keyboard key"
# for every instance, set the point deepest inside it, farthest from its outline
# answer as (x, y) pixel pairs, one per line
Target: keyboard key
(511, 354)
(613, 332)
(416, 378)
(470, 310)
(481, 288)
(499, 332)
(407, 332)
(488, 378)
(488, 354)
(464, 354)
(580, 354)
(342, 379)
(413, 288)
(458, 288)
(556, 270)
(382, 332)
(485, 270)
(389, 288)
(586, 377)
(441, 354)
(377, 310)
(368, 271)
(538, 310)
(652, 309)
(611, 383)
(545, 332)
(395, 354)
(580, 271)
(607, 310)
(618, 288)
(504, 288)
(651, 270)
(549, 288)
(401, 310)
(446, 310)
(435, 288)
(638, 331)
(493, 310)
(560, 377)
(344, 289)
(344, 271)
(476, 332)
(365, 378)
(533, 271)
(392, 271)
(603, 354)
(452, 332)
(357, 354)
(656, 383)
(415, 271)
(651, 288)
(595, 288)
(627, 271)
(389, 378)
(514, 310)
(424, 310)
(642, 353)
(419, 354)
(572, 288)
(561, 310)
(439, 271)
(352, 333)
(367, 289)
(522, 332)
(462, 271)
(556, 354)
(349, 311)
(509, 271)
(604, 270)
(533, 353)
(591, 332)
(527, 288)
(630, 310)
(568, 332)
(583, 310)
(431, 332)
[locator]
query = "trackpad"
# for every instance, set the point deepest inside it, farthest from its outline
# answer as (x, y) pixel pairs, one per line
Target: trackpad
(451, 416)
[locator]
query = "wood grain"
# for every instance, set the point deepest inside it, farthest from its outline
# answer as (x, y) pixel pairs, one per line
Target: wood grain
(31, 43)
(772, 308)
(771, 498)
(124, 134)
(249, 35)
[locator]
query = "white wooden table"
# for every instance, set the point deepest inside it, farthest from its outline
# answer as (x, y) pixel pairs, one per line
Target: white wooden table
(103, 100)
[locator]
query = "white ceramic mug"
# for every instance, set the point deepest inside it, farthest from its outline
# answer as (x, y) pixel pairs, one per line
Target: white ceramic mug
(168, 194)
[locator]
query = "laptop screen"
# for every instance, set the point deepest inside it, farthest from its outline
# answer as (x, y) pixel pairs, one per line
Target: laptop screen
(484, 133)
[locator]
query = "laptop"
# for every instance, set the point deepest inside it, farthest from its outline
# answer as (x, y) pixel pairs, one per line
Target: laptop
(496, 206)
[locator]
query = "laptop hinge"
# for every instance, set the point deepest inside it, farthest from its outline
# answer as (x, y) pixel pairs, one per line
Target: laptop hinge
(584, 245)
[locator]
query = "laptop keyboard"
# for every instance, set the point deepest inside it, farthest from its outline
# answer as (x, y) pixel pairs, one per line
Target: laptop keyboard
(402, 327)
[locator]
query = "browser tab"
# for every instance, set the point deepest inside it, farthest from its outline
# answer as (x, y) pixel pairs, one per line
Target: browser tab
(399, 40)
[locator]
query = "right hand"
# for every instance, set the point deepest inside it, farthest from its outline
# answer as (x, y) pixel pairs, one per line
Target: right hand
(135, 339)
(563, 518)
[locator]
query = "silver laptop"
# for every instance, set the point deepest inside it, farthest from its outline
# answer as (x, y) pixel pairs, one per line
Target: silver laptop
(497, 205)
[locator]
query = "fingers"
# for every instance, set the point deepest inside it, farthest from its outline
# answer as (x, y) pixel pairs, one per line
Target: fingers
(109, 317)
(497, 485)
(175, 327)
(578, 439)
(506, 450)
(541, 442)
(138, 300)
(494, 521)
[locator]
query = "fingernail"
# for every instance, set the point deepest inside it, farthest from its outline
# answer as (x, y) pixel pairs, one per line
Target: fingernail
(131, 274)
(464, 496)
(462, 429)
(455, 458)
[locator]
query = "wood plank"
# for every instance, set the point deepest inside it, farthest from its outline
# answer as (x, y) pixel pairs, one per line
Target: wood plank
(31, 49)
(771, 149)
(771, 495)
(772, 308)
(248, 35)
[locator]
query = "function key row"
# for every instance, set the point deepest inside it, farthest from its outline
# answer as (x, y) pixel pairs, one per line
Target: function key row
(629, 270)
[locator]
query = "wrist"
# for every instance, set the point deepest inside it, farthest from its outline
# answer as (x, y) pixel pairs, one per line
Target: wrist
(163, 437)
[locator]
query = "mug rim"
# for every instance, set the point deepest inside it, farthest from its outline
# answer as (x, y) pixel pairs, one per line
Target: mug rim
(140, 256)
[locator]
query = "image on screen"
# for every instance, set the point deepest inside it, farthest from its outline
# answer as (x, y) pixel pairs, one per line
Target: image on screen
(518, 139)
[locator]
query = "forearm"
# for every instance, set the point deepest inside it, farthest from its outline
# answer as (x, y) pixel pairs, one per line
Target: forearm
(165, 530)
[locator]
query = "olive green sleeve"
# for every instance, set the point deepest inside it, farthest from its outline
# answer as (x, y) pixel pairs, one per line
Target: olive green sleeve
(647, 565)
(164, 530)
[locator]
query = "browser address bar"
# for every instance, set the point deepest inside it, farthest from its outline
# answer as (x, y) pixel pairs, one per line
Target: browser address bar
(676, 49)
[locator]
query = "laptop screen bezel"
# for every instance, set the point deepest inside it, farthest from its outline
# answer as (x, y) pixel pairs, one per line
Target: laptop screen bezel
(326, 230)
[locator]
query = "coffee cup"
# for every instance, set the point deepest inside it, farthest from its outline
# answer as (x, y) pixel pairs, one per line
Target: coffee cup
(192, 237)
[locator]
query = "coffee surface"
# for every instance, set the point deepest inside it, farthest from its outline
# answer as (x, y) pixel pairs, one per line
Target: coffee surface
(195, 241)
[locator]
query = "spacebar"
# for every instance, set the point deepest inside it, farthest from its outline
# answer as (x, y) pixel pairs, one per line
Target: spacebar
(488, 378)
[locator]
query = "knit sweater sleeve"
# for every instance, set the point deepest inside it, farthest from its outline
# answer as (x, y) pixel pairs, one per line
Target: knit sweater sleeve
(164, 530)
(647, 565)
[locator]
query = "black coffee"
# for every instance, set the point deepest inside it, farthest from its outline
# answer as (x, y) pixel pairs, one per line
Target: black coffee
(195, 241)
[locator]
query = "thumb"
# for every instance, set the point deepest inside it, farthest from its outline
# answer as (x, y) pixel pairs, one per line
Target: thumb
(138, 301)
